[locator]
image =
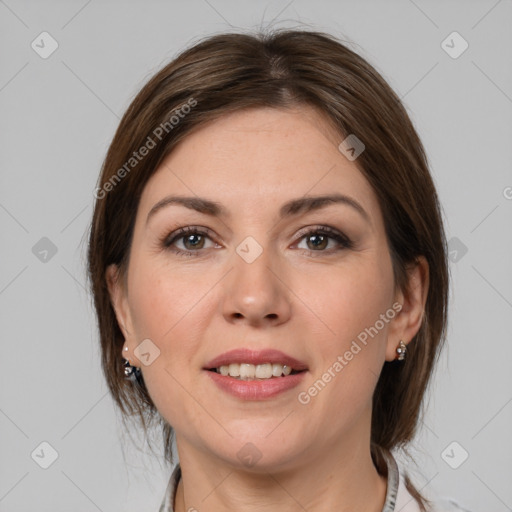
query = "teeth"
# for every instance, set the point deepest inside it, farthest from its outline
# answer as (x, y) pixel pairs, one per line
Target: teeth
(264, 371)
(233, 370)
(277, 369)
(246, 371)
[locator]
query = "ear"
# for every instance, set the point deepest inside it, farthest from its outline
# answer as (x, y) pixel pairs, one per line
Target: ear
(119, 301)
(408, 321)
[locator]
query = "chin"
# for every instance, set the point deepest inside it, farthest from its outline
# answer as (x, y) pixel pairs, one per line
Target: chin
(261, 449)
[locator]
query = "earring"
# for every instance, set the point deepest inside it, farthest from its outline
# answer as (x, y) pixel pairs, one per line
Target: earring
(401, 350)
(131, 373)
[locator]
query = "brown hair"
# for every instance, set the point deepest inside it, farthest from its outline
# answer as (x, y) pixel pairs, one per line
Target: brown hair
(282, 69)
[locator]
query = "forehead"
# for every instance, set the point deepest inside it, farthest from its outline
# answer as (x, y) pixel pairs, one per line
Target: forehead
(260, 157)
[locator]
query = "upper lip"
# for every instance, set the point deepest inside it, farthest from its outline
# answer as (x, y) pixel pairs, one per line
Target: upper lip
(243, 355)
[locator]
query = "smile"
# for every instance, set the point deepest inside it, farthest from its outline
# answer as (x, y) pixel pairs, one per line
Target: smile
(247, 371)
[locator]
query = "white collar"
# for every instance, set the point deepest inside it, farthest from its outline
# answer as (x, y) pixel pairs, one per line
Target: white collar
(397, 496)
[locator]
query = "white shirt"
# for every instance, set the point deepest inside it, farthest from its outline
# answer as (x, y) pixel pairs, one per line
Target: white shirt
(398, 498)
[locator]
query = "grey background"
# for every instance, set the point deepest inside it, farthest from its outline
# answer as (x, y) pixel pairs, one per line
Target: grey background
(58, 116)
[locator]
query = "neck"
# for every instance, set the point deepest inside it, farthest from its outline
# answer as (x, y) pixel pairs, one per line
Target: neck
(340, 477)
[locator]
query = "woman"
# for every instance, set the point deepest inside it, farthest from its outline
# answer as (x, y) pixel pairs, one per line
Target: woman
(268, 263)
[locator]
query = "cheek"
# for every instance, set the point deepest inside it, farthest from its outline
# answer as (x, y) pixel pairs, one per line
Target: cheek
(350, 300)
(352, 304)
(173, 309)
(161, 299)
(167, 309)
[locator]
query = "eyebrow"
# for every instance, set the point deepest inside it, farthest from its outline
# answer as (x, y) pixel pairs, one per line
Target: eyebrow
(291, 208)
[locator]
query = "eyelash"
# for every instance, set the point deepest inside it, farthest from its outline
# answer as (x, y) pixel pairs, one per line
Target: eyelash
(342, 239)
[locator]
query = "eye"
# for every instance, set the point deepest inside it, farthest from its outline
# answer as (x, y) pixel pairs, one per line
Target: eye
(317, 240)
(192, 239)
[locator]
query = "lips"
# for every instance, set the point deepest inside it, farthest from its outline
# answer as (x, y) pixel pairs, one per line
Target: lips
(236, 379)
(243, 355)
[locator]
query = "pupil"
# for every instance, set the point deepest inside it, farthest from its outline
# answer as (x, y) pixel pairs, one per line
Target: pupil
(318, 238)
(190, 240)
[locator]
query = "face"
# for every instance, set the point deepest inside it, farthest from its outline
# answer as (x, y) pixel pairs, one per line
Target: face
(269, 271)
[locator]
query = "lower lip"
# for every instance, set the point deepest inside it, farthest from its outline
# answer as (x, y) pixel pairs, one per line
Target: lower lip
(256, 389)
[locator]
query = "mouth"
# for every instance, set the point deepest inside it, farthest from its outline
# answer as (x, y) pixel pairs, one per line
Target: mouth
(248, 371)
(255, 375)
(245, 364)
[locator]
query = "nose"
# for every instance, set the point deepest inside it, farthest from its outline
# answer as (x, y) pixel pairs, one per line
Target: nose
(255, 292)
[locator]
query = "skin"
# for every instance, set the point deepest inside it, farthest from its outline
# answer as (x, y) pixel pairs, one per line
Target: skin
(310, 302)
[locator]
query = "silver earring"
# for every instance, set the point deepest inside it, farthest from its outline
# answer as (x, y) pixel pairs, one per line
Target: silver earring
(401, 351)
(131, 373)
